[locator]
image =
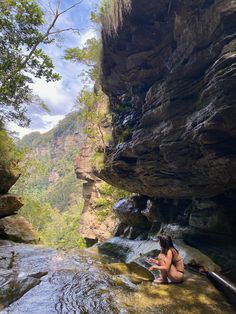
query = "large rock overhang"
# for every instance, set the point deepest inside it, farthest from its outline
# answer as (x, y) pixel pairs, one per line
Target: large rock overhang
(170, 74)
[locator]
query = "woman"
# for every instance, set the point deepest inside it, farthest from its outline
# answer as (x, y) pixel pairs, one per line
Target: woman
(169, 262)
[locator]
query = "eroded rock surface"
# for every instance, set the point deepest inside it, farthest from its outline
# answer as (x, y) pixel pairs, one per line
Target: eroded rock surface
(85, 282)
(9, 204)
(17, 228)
(170, 75)
(91, 227)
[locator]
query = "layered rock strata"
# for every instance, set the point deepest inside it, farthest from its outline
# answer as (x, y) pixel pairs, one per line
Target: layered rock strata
(170, 75)
(91, 227)
(169, 69)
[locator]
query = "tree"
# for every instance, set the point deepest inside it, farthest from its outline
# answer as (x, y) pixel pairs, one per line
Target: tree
(21, 55)
(89, 55)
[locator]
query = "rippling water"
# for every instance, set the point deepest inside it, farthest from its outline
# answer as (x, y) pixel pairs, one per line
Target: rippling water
(85, 282)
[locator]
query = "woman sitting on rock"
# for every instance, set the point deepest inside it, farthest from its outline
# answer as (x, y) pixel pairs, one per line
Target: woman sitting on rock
(169, 262)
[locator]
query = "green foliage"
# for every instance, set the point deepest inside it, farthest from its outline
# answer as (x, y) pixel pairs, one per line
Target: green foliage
(88, 55)
(103, 213)
(103, 202)
(113, 192)
(21, 58)
(110, 195)
(125, 135)
(53, 207)
(66, 126)
(55, 229)
(62, 192)
(9, 154)
(98, 160)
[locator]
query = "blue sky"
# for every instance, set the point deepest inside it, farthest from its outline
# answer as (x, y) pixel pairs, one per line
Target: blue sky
(60, 96)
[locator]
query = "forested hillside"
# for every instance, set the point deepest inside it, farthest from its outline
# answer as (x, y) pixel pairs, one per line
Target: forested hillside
(52, 193)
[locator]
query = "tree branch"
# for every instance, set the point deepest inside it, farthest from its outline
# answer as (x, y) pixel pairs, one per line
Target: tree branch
(71, 7)
(45, 36)
(64, 30)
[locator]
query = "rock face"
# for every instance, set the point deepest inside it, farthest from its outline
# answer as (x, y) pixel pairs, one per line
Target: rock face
(91, 227)
(170, 75)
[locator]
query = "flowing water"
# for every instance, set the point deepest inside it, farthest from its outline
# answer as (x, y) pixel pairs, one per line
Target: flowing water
(37, 280)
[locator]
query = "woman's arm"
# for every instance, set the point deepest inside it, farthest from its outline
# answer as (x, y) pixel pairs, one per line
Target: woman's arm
(152, 260)
(167, 263)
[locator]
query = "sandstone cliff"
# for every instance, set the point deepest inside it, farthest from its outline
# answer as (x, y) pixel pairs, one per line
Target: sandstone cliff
(96, 224)
(169, 69)
(170, 75)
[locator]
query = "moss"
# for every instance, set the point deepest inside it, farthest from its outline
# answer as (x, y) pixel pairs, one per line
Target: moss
(122, 108)
(103, 213)
(125, 135)
(103, 202)
(98, 160)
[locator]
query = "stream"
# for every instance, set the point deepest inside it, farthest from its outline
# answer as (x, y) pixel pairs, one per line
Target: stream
(35, 279)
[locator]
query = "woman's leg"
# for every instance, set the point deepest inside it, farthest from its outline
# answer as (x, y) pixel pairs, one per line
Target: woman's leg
(163, 273)
(174, 275)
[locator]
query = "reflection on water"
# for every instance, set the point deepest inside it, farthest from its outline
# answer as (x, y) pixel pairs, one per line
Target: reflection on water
(84, 282)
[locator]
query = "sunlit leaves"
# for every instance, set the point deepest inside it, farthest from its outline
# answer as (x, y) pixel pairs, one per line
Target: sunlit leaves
(21, 59)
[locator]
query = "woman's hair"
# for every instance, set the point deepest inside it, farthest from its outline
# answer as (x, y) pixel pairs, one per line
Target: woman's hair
(166, 243)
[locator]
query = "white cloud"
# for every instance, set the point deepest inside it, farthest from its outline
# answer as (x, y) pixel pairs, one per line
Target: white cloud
(60, 96)
(90, 33)
(50, 122)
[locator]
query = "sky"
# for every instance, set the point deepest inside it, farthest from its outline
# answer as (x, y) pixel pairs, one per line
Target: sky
(60, 96)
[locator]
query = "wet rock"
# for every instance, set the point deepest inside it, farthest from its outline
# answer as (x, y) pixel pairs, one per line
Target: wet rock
(129, 251)
(82, 281)
(14, 286)
(214, 215)
(129, 212)
(18, 229)
(151, 211)
(9, 204)
(90, 242)
(221, 249)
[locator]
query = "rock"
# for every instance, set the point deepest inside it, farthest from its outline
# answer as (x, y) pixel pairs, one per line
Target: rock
(9, 204)
(170, 75)
(151, 212)
(14, 286)
(8, 176)
(18, 229)
(129, 251)
(85, 282)
(95, 223)
(216, 215)
(129, 212)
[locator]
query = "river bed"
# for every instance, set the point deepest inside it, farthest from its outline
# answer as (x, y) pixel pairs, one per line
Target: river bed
(35, 279)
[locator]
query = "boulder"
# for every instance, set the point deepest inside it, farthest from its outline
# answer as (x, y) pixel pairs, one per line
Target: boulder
(17, 229)
(8, 176)
(9, 204)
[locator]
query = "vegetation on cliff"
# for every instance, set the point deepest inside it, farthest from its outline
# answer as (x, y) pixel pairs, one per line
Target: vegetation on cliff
(52, 194)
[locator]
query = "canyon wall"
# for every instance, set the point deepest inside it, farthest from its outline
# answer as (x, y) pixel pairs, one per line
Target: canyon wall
(169, 69)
